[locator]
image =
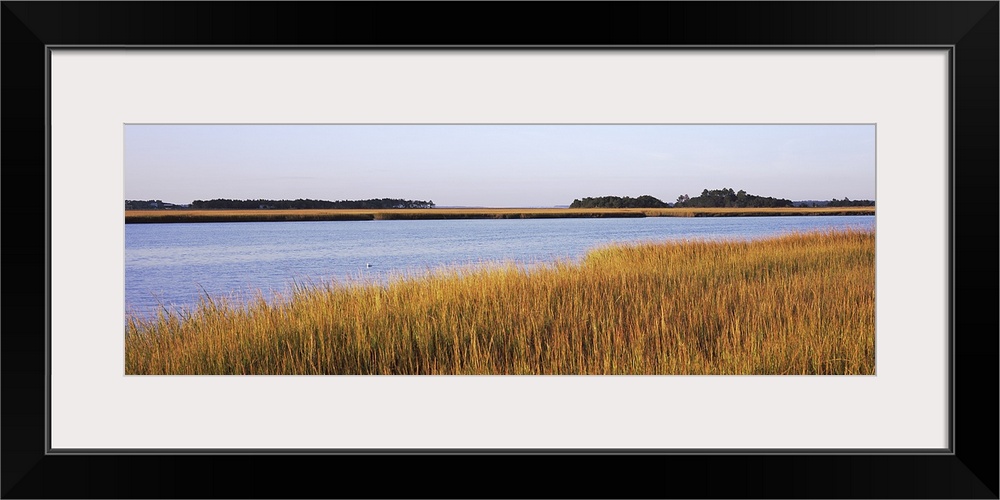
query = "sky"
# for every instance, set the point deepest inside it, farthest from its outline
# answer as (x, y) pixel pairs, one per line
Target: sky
(496, 165)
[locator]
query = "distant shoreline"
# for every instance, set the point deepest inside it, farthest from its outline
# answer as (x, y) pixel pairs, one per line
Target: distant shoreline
(292, 215)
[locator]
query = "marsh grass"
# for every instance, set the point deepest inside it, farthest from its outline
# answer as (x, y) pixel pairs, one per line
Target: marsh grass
(165, 216)
(795, 304)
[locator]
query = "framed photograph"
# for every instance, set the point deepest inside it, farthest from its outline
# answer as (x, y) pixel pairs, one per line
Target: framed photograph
(841, 362)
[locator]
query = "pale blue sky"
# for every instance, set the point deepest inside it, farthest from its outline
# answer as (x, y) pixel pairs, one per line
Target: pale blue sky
(496, 165)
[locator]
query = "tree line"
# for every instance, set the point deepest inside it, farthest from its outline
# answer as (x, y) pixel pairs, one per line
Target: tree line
(143, 204)
(380, 203)
(727, 198)
(714, 198)
(148, 205)
(644, 201)
(849, 203)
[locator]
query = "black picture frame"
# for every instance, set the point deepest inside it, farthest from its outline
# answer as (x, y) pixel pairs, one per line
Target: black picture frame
(968, 470)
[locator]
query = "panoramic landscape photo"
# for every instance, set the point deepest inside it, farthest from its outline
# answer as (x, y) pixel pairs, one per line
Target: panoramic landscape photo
(499, 249)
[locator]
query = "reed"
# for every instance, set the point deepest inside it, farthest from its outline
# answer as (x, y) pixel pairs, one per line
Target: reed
(795, 304)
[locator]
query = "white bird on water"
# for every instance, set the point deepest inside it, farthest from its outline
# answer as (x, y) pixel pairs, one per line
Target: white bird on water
(368, 264)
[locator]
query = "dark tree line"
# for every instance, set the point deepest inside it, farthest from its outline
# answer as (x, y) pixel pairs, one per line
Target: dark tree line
(644, 201)
(381, 203)
(710, 198)
(727, 198)
(143, 204)
(848, 203)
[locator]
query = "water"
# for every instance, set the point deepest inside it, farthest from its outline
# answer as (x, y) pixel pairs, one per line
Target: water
(173, 265)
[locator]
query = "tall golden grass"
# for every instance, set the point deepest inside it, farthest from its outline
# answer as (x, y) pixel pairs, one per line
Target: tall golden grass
(163, 216)
(794, 304)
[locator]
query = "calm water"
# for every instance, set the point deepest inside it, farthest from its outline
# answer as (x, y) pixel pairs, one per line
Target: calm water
(172, 265)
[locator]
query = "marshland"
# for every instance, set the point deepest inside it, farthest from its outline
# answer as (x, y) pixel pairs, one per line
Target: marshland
(797, 302)
(318, 249)
(257, 215)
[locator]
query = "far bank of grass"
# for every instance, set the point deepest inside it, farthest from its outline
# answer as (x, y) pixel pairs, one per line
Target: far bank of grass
(166, 216)
(796, 304)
